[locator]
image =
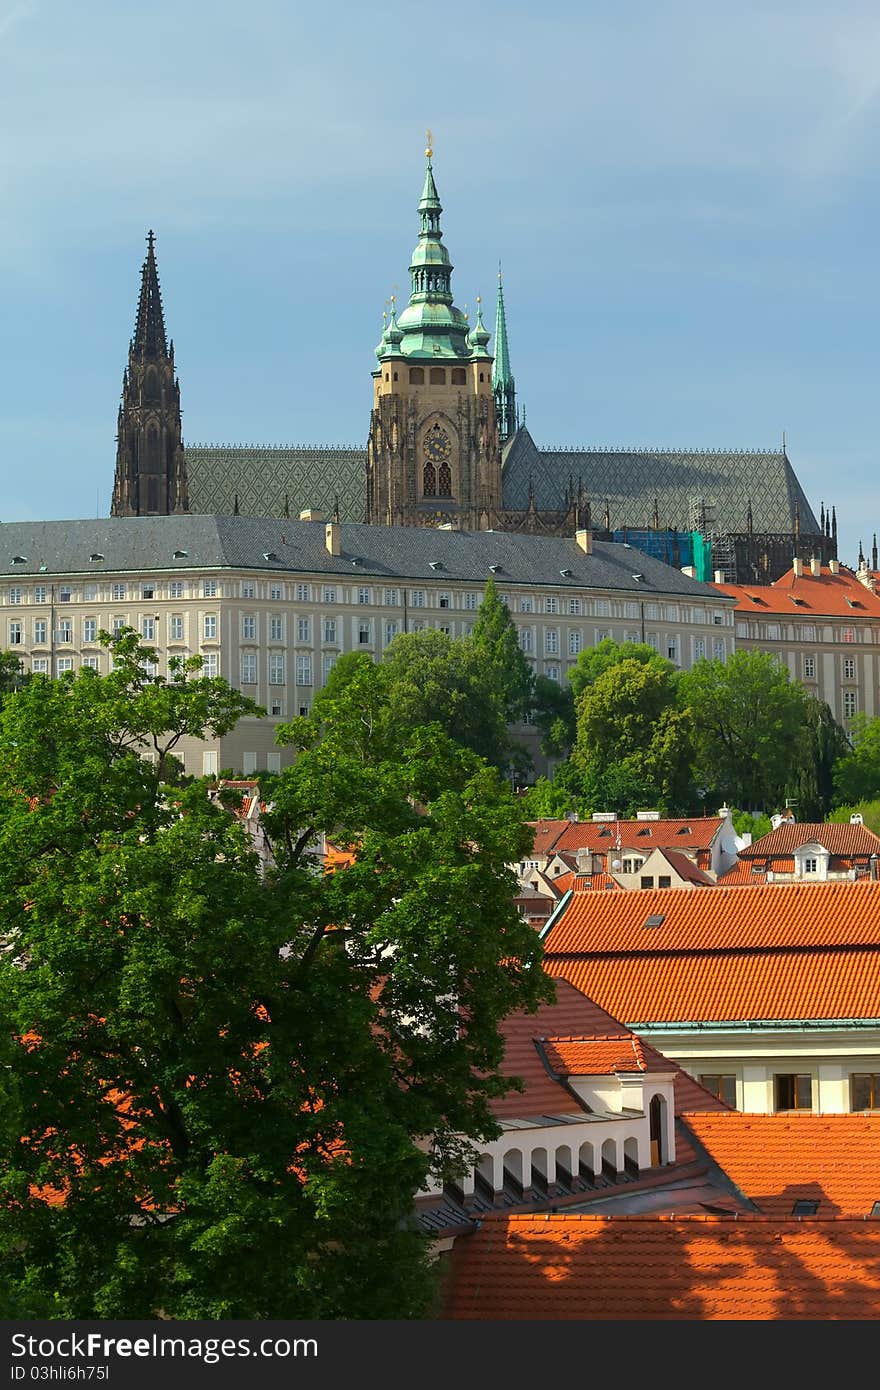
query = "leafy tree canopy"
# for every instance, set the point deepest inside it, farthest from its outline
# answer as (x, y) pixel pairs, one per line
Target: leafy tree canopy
(748, 719)
(553, 715)
(868, 810)
(218, 1088)
(633, 745)
(432, 678)
(495, 640)
(857, 774)
(593, 662)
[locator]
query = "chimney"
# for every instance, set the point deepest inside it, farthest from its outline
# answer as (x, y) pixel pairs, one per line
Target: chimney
(797, 567)
(815, 565)
(834, 566)
(585, 541)
(309, 514)
(689, 570)
(719, 576)
(331, 532)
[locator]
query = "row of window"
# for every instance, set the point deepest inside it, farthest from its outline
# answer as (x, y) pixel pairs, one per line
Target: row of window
(365, 594)
(794, 1090)
(847, 668)
(804, 632)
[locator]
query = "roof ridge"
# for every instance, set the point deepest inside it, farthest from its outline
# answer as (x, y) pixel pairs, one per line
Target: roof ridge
(648, 450)
(270, 448)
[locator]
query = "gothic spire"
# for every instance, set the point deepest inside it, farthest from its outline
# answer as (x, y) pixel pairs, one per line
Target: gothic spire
(503, 386)
(150, 474)
(149, 333)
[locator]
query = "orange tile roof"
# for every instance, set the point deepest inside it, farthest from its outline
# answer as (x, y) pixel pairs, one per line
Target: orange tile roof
(698, 832)
(547, 832)
(654, 1268)
(730, 986)
(823, 595)
(687, 870)
(601, 1055)
(841, 839)
(765, 917)
(571, 1016)
(583, 883)
(776, 1159)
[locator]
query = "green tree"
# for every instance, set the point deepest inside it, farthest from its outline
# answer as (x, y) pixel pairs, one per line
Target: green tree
(823, 743)
(633, 743)
(435, 679)
(593, 662)
(748, 719)
(11, 674)
(232, 1083)
(868, 810)
(553, 715)
(495, 640)
(549, 800)
(857, 773)
(745, 823)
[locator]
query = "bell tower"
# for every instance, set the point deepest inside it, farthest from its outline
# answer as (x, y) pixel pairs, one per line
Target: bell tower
(150, 466)
(433, 453)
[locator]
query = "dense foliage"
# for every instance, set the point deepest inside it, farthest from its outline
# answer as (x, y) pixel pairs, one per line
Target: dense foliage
(220, 1089)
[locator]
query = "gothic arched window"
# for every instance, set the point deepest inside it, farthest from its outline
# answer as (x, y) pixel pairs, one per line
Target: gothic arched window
(436, 470)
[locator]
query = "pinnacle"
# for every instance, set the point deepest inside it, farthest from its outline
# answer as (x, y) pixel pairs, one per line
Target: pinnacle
(149, 334)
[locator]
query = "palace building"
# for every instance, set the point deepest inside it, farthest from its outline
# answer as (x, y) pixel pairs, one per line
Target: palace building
(447, 445)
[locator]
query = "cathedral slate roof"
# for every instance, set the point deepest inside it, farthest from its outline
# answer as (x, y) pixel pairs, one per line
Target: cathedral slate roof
(630, 480)
(265, 478)
(188, 541)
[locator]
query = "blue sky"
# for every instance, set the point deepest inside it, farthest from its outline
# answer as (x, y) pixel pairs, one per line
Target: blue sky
(684, 196)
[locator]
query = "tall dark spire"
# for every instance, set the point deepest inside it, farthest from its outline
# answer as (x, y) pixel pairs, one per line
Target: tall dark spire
(150, 465)
(149, 330)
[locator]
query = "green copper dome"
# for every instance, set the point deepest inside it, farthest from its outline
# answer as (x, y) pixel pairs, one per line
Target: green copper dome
(430, 328)
(478, 338)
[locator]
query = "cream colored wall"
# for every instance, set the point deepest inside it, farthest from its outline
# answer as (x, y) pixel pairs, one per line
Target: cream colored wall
(447, 604)
(828, 651)
(755, 1056)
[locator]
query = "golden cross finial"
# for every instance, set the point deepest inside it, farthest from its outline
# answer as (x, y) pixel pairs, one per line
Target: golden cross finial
(429, 143)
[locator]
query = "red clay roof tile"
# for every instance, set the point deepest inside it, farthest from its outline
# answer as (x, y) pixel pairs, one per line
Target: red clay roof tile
(729, 986)
(776, 1159)
(698, 832)
(792, 914)
(842, 838)
(655, 1268)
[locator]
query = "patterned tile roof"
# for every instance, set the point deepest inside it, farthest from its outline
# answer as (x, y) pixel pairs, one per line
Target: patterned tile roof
(669, 920)
(583, 883)
(602, 1055)
(729, 986)
(844, 839)
(630, 480)
(265, 478)
(541, 1266)
(769, 951)
(823, 595)
(775, 1160)
(699, 832)
(547, 832)
(572, 1015)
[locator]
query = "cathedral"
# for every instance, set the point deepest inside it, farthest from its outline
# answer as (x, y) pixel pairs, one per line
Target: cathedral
(448, 446)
